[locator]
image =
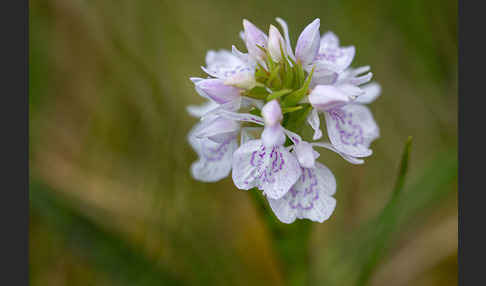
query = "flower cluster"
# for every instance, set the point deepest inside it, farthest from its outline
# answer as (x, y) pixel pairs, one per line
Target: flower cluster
(259, 104)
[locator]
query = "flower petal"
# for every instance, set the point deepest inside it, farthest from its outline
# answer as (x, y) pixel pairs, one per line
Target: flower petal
(314, 122)
(245, 169)
(212, 128)
(217, 90)
(305, 154)
(254, 37)
(275, 41)
(273, 170)
(351, 129)
(223, 64)
(329, 40)
(240, 55)
(245, 117)
(323, 76)
(326, 97)
(285, 29)
(242, 35)
(310, 198)
(335, 60)
(244, 79)
(201, 110)
(350, 159)
(215, 158)
(332, 56)
(308, 43)
(372, 91)
(230, 106)
(272, 113)
(273, 136)
(352, 91)
(352, 76)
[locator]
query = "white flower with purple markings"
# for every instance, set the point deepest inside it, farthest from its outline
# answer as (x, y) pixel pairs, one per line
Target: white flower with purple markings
(258, 106)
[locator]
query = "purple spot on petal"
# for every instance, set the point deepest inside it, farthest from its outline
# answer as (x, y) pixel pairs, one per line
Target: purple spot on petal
(212, 154)
(304, 199)
(350, 132)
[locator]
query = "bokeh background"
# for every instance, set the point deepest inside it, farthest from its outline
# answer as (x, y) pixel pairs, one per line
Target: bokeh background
(111, 197)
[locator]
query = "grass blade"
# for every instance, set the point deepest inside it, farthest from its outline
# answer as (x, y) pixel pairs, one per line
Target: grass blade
(387, 220)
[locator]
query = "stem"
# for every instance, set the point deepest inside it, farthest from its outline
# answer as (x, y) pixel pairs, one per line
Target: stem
(291, 242)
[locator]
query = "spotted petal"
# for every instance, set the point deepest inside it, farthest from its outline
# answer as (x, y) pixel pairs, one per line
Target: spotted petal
(215, 158)
(273, 170)
(223, 64)
(332, 56)
(310, 198)
(351, 129)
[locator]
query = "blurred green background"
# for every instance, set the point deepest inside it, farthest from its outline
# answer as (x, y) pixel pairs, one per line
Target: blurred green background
(111, 197)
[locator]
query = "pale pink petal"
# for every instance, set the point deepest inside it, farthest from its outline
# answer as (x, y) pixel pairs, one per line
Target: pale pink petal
(326, 97)
(273, 136)
(354, 77)
(272, 113)
(275, 42)
(216, 90)
(214, 127)
(308, 43)
(305, 154)
(254, 37)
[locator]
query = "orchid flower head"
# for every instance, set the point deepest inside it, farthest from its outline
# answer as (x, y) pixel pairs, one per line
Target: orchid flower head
(258, 105)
